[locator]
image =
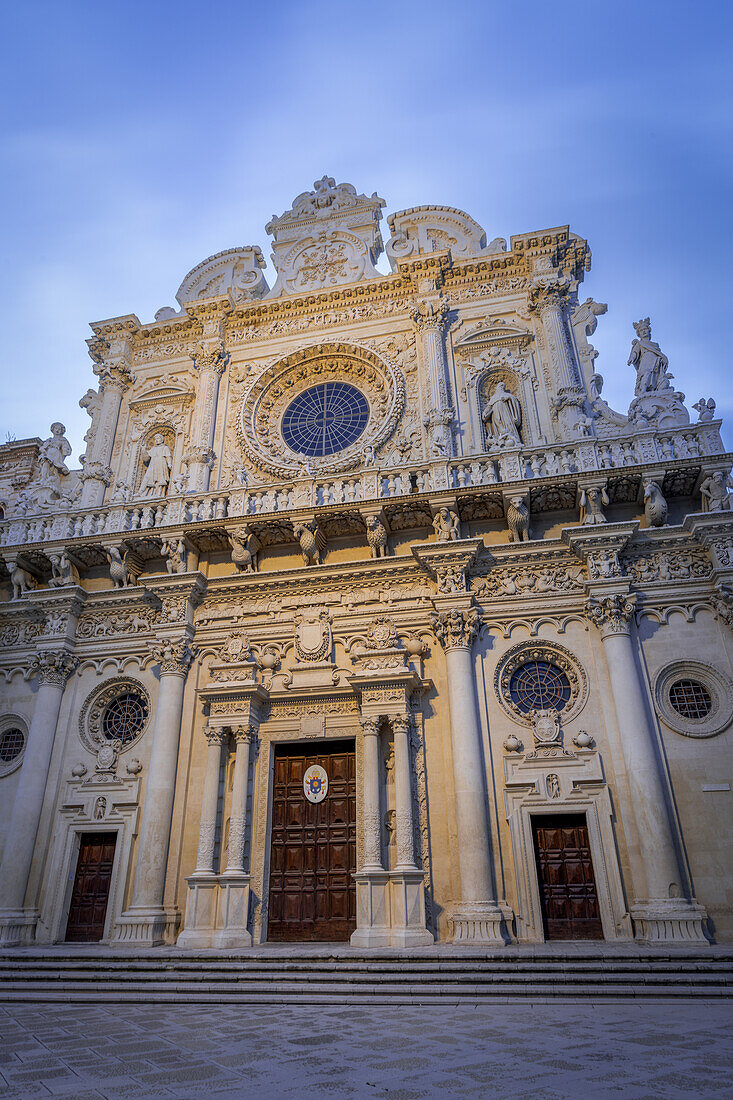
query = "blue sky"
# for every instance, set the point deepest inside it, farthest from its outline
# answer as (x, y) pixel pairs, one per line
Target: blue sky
(138, 138)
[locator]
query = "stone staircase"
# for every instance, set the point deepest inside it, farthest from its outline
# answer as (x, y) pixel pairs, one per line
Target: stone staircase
(331, 974)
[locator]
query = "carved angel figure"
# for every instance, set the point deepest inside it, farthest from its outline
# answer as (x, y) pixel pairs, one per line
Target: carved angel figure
(157, 475)
(246, 549)
(651, 364)
(503, 416)
(52, 455)
(446, 525)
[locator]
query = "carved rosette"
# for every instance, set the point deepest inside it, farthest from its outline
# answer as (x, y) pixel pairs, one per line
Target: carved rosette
(456, 629)
(53, 666)
(174, 658)
(612, 614)
(271, 392)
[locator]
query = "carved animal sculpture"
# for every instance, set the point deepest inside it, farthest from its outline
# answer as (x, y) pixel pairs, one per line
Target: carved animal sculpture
(376, 537)
(655, 506)
(311, 543)
(20, 579)
(246, 549)
(118, 571)
(517, 518)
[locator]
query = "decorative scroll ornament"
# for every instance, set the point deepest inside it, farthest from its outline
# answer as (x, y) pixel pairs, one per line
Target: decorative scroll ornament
(456, 629)
(315, 783)
(611, 614)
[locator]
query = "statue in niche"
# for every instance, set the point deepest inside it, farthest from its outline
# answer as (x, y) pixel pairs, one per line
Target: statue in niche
(503, 416)
(650, 363)
(53, 454)
(158, 462)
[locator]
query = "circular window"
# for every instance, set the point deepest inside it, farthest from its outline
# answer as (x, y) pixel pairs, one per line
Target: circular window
(117, 710)
(12, 746)
(690, 698)
(540, 675)
(325, 419)
(125, 717)
(539, 685)
(694, 699)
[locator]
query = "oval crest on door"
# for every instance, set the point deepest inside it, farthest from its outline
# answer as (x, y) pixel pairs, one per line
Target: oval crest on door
(315, 783)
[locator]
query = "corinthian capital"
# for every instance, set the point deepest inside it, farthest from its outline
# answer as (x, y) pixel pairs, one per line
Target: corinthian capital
(53, 666)
(548, 291)
(370, 726)
(428, 316)
(114, 374)
(611, 614)
(456, 629)
(212, 357)
(173, 657)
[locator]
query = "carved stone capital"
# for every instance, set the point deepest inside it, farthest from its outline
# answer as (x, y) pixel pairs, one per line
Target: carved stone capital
(401, 723)
(211, 357)
(174, 657)
(428, 316)
(53, 666)
(245, 734)
(600, 547)
(114, 375)
(456, 629)
(370, 726)
(612, 614)
(214, 735)
(548, 292)
(96, 471)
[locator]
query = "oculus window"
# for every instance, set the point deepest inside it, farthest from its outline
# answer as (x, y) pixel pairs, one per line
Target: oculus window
(325, 419)
(539, 685)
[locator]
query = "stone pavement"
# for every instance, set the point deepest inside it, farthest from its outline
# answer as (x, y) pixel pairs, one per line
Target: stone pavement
(554, 1050)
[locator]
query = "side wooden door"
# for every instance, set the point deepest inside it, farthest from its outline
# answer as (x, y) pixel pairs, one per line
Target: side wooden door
(566, 879)
(91, 887)
(312, 895)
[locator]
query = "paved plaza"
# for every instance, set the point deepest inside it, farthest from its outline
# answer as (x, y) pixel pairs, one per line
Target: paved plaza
(554, 1049)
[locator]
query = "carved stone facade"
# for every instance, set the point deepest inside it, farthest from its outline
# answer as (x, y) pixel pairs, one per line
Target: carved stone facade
(384, 517)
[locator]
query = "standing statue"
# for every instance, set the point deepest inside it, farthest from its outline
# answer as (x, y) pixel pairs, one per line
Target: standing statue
(503, 416)
(157, 475)
(52, 455)
(715, 492)
(446, 525)
(592, 503)
(651, 365)
(175, 555)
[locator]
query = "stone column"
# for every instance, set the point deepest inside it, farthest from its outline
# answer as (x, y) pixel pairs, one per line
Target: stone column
(115, 378)
(243, 736)
(372, 881)
(211, 361)
(477, 917)
(146, 921)
(209, 802)
(429, 319)
(17, 924)
(372, 813)
(549, 290)
(664, 914)
(404, 834)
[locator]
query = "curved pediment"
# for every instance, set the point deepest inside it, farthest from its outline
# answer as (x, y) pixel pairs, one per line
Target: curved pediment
(236, 271)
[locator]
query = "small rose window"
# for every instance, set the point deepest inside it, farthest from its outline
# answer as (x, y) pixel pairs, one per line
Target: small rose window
(125, 717)
(690, 698)
(539, 685)
(12, 742)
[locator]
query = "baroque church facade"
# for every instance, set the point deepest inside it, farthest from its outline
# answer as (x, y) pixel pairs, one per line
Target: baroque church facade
(366, 618)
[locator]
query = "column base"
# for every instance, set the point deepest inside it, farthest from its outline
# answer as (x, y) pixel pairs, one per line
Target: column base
(479, 922)
(217, 911)
(141, 926)
(372, 909)
(18, 927)
(669, 920)
(407, 889)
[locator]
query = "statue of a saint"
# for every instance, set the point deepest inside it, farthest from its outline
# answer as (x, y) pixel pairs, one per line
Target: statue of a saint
(52, 455)
(650, 363)
(157, 475)
(503, 415)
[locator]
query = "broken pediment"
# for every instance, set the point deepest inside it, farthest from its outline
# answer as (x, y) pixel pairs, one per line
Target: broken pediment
(329, 237)
(162, 395)
(236, 272)
(481, 334)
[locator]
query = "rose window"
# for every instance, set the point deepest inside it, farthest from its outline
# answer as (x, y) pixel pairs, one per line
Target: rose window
(11, 745)
(539, 685)
(690, 698)
(125, 717)
(325, 419)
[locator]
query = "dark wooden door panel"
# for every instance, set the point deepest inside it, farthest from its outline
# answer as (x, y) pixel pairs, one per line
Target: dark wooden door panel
(313, 852)
(90, 892)
(566, 880)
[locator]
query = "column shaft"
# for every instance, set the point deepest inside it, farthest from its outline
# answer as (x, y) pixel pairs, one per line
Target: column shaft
(209, 804)
(372, 815)
(238, 814)
(403, 795)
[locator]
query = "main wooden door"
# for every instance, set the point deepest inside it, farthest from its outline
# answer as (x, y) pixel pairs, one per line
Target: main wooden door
(566, 880)
(313, 853)
(91, 887)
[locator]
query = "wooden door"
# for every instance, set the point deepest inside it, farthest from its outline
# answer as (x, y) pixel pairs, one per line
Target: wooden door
(313, 852)
(566, 880)
(91, 887)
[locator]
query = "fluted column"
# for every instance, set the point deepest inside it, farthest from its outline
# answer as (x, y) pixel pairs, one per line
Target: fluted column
(96, 475)
(211, 362)
(243, 737)
(209, 802)
(477, 917)
(429, 319)
(372, 813)
(403, 795)
(53, 668)
(145, 921)
(547, 297)
(664, 914)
